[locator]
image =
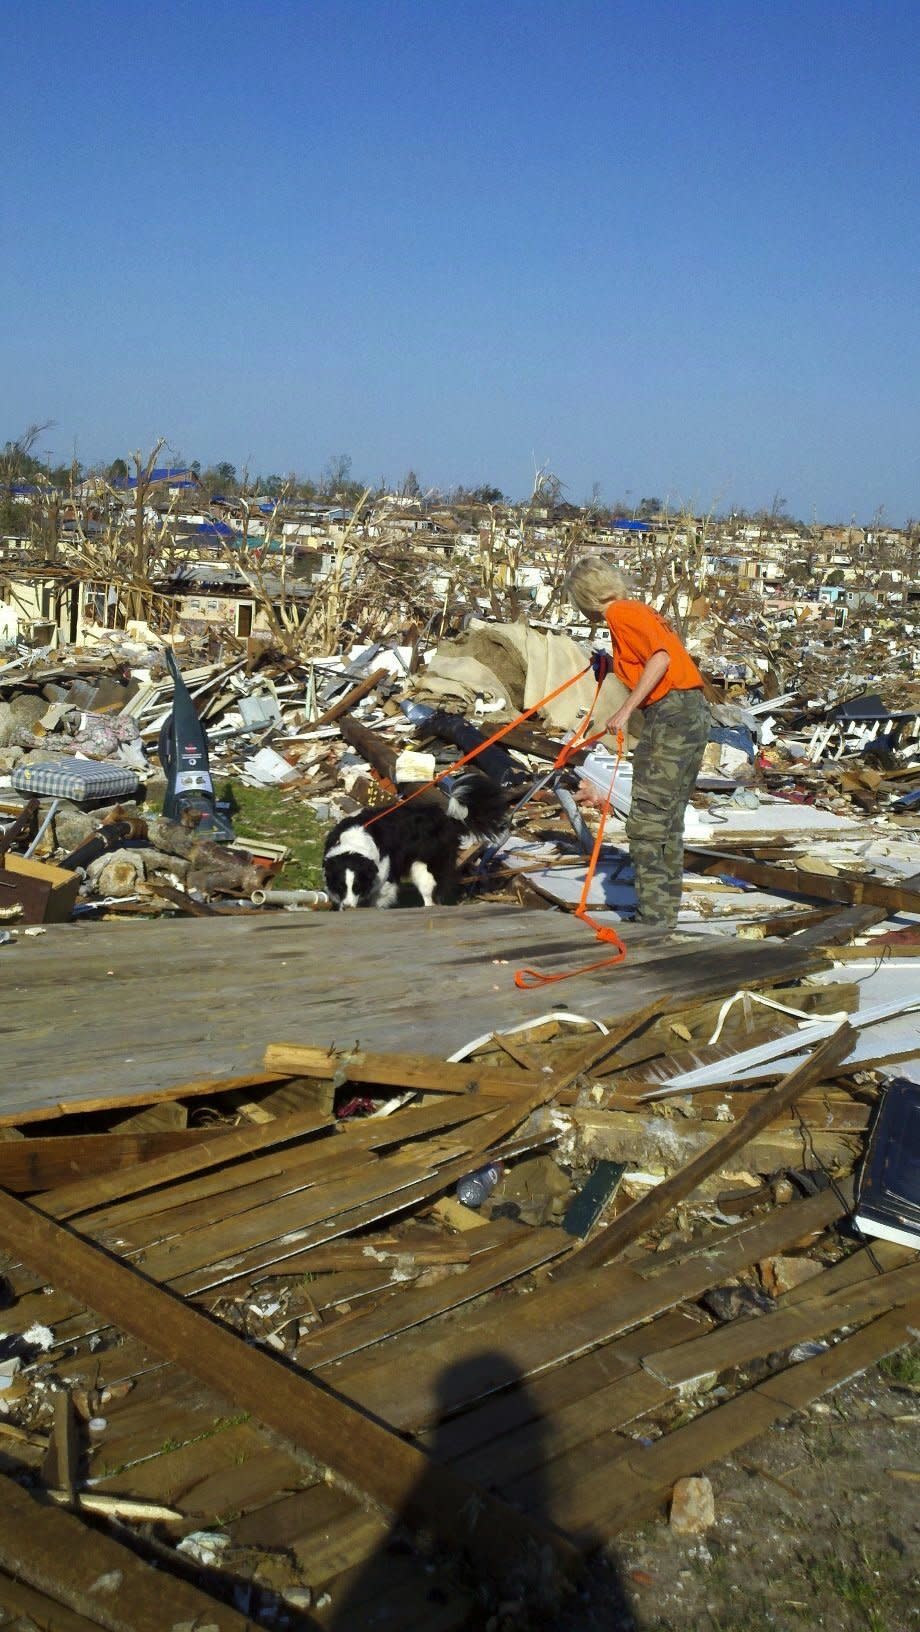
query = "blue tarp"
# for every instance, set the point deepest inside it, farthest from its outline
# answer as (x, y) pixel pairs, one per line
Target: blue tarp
(733, 736)
(176, 475)
(215, 529)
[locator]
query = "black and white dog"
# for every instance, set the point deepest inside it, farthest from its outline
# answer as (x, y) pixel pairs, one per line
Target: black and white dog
(418, 843)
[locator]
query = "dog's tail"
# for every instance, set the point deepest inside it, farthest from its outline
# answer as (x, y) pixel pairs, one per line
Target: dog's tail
(478, 806)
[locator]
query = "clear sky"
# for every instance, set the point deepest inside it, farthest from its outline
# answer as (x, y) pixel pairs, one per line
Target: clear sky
(668, 246)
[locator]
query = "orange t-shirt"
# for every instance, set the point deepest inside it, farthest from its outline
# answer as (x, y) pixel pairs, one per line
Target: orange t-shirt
(637, 632)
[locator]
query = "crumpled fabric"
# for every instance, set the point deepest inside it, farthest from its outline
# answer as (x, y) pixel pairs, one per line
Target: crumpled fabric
(532, 664)
(107, 737)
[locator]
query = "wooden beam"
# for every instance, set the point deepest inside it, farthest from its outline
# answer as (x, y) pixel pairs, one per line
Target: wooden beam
(360, 1450)
(632, 1223)
(350, 699)
(796, 881)
(95, 1191)
(423, 1072)
(154, 1096)
(94, 1576)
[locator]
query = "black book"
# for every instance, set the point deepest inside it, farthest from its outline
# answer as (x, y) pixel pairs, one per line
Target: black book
(888, 1199)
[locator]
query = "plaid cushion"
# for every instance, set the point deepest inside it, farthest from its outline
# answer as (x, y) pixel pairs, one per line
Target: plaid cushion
(75, 779)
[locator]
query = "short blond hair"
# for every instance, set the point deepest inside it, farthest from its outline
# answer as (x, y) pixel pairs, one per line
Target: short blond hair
(592, 583)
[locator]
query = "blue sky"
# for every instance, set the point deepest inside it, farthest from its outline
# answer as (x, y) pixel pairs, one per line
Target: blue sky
(671, 248)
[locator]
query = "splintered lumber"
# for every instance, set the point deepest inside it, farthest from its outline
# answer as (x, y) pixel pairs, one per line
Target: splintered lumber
(629, 1225)
(431, 1373)
(423, 1072)
(599, 1049)
(360, 1450)
(420, 1304)
(93, 1576)
(796, 881)
(292, 1249)
(350, 699)
(625, 1491)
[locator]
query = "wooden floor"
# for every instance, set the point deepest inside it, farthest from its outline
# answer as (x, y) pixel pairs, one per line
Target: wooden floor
(91, 1010)
(536, 1397)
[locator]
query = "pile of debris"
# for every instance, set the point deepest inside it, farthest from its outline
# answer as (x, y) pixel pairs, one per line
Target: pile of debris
(826, 785)
(230, 1326)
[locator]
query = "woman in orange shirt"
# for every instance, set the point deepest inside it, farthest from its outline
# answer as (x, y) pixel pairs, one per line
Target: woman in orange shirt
(665, 684)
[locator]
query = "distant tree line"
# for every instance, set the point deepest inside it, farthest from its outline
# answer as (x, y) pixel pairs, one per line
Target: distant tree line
(21, 461)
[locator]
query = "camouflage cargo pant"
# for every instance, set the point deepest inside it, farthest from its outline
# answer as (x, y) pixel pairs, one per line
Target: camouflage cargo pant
(666, 763)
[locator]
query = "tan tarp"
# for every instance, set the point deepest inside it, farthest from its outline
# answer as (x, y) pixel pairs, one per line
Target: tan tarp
(516, 665)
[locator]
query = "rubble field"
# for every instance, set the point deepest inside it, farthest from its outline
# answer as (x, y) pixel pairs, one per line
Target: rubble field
(348, 1282)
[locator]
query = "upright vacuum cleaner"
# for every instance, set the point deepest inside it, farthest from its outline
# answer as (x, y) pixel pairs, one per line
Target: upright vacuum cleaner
(183, 751)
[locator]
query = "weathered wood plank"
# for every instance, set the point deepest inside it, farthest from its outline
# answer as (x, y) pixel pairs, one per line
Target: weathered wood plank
(744, 1340)
(335, 1149)
(628, 1489)
(230, 986)
(850, 891)
(416, 1306)
(358, 1449)
(176, 1160)
(54, 1553)
(430, 1374)
(41, 1163)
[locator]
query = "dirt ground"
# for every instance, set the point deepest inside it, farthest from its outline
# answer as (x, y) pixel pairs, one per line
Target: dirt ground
(817, 1525)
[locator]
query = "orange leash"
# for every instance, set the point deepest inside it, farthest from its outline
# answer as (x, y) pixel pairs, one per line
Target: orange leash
(527, 979)
(497, 737)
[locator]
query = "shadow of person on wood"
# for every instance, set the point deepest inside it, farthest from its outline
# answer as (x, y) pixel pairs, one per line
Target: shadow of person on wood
(502, 1563)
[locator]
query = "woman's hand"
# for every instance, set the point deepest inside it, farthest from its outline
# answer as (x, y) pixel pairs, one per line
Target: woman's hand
(618, 722)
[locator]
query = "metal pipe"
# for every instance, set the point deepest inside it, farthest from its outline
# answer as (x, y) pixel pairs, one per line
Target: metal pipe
(289, 898)
(45, 824)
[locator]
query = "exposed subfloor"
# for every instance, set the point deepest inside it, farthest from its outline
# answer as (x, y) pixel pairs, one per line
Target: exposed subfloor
(92, 1011)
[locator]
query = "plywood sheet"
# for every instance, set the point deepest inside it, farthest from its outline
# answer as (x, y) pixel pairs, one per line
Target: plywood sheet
(92, 1012)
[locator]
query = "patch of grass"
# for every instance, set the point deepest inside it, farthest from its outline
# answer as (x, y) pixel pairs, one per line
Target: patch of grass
(853, 1585)
(903, 1366)
(267, 813)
